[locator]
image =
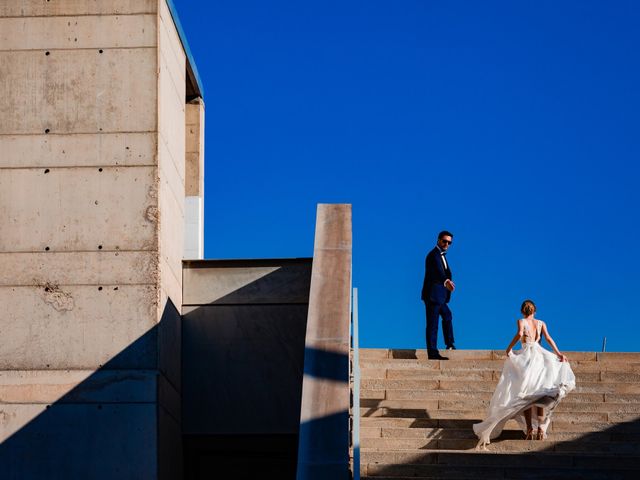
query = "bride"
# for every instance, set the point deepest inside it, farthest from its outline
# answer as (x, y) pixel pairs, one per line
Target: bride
(533, 380)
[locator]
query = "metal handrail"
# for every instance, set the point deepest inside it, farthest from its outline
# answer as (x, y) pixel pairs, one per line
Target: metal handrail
(355, 432)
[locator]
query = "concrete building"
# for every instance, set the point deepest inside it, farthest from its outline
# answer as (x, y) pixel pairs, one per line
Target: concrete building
(118, 358)
(101, 134)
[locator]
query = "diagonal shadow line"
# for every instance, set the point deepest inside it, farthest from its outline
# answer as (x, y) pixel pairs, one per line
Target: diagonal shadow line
(117, 422)
(613, 451)
(266, 403)
(326, 364)
(110, 425)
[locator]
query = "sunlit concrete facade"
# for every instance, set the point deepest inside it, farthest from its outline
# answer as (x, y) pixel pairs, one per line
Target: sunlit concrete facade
(101, 142)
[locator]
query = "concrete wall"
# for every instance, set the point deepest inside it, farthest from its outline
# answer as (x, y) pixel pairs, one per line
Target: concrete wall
(171, 196)
(243, 347)
(323, 449)
(194, 181)
(92, 185)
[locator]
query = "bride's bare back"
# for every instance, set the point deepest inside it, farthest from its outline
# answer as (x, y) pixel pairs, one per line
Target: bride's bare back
(530, 329)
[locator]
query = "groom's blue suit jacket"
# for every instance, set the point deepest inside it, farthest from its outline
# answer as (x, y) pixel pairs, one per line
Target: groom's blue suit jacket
(433, 289)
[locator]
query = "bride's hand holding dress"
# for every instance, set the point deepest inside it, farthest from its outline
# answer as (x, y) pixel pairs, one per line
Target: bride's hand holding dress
(532, 376)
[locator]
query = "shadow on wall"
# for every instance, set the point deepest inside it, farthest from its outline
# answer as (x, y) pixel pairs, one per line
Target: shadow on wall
(244, 329)
(121, 421)
(242, 370)
(267, 454)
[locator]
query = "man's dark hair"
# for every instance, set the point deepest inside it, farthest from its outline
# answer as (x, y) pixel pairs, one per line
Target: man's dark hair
(445, 233)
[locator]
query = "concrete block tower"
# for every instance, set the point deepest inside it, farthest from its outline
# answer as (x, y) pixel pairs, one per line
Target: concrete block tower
(101, 128)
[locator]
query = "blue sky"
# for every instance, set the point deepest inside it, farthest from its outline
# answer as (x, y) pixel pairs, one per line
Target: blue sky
(515, 125)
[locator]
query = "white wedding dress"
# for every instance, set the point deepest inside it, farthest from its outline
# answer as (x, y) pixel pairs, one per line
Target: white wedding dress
(531, 376)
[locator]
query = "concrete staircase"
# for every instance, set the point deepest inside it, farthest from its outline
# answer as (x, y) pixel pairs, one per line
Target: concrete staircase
(416, 417)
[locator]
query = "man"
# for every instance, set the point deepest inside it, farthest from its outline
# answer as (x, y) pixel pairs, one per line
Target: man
(436, 293)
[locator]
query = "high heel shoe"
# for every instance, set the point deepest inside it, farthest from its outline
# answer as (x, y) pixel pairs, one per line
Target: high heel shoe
(529, 434)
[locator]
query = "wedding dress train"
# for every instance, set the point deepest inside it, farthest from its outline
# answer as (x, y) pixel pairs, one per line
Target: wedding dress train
(531, 376)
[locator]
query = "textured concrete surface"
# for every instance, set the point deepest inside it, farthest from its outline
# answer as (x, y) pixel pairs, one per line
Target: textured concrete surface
(56, 33)
(416, 419)
(64, 441)
(243, 368)
(242, 359)
(37, 223)
(77, 386)
(77, 326)
(323, 442)
(243, 348)
(92, 191)
(33, 8)
(96, 268)
(96, 150)
(247, 281)
(51, 95)
(194, 180)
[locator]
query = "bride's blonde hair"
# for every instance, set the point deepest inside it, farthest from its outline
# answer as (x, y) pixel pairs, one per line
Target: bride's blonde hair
(528, 307)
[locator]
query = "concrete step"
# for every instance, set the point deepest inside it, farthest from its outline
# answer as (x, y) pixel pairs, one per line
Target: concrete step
(461, 471)
(485, 375)
(587, 445)
(559, 424)
(381, 471)
(480, 406)
(410, 423)
(536, 460)
(493, 365)
(410, 394)
(422, 413)
(417, 417)
(420, 354)
(555, 433)
(462, 385)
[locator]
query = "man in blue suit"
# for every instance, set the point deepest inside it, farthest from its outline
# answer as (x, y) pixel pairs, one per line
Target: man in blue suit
(436, 293)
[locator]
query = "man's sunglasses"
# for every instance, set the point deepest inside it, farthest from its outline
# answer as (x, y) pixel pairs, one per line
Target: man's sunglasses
(448, 242)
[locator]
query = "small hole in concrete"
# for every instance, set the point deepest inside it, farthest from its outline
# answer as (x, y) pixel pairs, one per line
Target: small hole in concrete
(47, 365)
(46, 130)
(46, 170)
(46, 53)
(100, 50)
(100, 169)
(99, 247)
(96, 202)
(99, 289)
(46, 248)
(115, 288)
(46, 289)
(127, 148)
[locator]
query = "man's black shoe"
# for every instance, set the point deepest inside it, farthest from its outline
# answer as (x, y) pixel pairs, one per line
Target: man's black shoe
(436, 356)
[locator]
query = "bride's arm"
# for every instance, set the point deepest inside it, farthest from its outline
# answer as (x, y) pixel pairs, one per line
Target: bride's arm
(550, 341)
(517, 336)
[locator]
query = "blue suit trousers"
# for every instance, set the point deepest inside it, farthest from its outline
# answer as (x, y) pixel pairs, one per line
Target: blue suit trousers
(434, 312)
